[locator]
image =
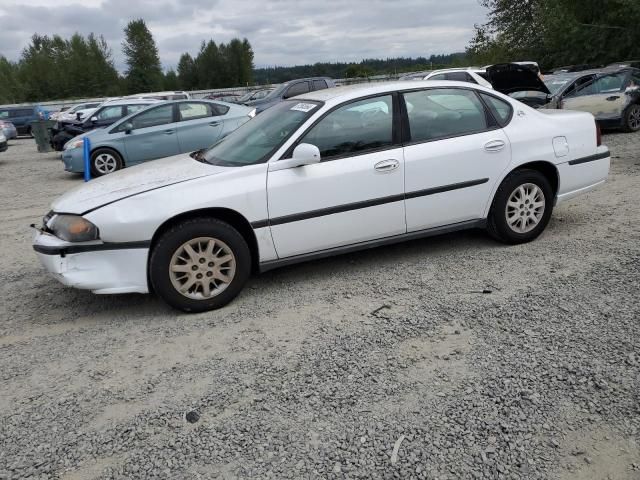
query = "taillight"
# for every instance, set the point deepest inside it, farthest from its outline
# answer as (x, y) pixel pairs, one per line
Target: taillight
(598, 135)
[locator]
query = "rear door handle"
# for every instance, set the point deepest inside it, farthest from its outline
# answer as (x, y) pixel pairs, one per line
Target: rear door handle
(612, 98)
(214, 124)
(494, 146)
(387, 165)
(169, 132)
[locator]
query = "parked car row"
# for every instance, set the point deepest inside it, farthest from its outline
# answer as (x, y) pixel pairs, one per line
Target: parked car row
(611, 94)
(22, 117)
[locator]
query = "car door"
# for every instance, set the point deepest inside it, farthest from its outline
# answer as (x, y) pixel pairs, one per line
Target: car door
(455, 151)
(153, 135)
(354, 194)
(604, 97)
(198, 126)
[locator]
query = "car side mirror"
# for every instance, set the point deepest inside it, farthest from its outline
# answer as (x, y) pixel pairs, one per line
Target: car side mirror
(303, 154)
(78, 115)
(94, 119)
(127, 127)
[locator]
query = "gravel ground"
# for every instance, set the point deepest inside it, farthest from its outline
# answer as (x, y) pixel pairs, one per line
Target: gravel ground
(389, 363)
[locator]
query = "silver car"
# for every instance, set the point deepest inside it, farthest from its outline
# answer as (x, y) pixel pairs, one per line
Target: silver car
(161, 130)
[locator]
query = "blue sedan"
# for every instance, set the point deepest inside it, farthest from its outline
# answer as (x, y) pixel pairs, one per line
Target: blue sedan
(161, 130)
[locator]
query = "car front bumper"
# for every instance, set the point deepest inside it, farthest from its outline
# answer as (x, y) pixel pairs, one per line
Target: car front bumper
(96, 266)
(73, 160)
(10, 133)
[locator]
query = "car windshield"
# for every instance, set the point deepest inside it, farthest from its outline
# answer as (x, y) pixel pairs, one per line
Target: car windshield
(555, 83)
(255, 141)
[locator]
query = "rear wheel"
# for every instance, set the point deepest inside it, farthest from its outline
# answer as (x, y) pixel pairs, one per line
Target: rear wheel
(521, 207)
(632, 118)
(105, 161)
(199, 265)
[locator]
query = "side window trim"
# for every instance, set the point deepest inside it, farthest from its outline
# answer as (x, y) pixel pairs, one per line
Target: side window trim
(395, 134)
(493, 124)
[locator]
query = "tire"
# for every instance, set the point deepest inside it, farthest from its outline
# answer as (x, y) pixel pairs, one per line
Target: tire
(632, 118)
(29, 133)
(105, 161)
(521, 221)
(170, 252)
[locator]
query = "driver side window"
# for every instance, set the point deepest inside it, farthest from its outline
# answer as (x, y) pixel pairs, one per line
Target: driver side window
(355, 128)
(606, 84)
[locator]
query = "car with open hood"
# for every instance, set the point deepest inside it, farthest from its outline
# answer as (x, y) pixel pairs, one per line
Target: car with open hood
(325, 173)
(612, 96)
(520, 81)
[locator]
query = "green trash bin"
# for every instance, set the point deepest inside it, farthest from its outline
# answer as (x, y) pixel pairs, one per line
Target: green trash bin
(41, 131)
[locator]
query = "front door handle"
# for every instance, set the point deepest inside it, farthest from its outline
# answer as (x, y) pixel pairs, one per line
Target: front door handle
(169, 132)
(612, 98)
(387, 165)
(494, 146)
(214, 124)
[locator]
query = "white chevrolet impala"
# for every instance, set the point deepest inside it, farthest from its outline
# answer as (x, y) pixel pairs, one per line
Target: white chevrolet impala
(322, 174)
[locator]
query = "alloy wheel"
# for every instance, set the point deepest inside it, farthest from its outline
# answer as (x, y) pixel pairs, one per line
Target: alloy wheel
(634, 118)
(202, 268)
(105, 163)
(525, 208)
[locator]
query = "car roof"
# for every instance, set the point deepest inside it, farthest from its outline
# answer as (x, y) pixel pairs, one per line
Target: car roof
(340, 94)
(131, 101)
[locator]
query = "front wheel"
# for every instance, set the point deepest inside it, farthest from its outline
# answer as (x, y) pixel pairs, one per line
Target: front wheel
(632, 119)
(521, 208)
(104, 161)
(199, 265)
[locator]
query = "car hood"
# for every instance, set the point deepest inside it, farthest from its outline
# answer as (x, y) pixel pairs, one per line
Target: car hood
(510, 77)
(133, 181)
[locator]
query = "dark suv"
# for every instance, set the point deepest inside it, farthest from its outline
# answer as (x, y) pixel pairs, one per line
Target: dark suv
(290, 89)
(22, 117)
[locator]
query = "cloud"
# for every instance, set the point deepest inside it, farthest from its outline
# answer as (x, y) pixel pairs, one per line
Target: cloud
(282, 32)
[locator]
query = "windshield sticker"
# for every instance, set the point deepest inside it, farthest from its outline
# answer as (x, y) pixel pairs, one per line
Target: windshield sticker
(304, 107)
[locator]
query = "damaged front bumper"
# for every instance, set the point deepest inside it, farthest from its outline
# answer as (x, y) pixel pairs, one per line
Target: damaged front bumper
(96, 266)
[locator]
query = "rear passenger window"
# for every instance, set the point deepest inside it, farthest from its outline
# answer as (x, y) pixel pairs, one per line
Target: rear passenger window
(193, 111)
(135, 108)
(500, 109)
(319, 84)
(297, 89)
(439, 76)
(444, 112)
(458, 76)
(219, 110)
(355, 128)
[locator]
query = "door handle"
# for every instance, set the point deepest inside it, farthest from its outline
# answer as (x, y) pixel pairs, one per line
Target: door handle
(169, 132)
(214, 124)
(494, 146)
(387, 165)
(612, 98)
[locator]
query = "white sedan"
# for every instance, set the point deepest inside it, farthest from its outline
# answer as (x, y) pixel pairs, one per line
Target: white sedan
(326, 173)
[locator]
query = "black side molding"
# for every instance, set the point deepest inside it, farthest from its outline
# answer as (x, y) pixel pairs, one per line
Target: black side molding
(71, 249)
(296, 217)
(590, 158)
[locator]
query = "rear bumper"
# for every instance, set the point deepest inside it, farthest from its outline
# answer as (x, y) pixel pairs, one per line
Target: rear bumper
(583, 175)
(96, 266)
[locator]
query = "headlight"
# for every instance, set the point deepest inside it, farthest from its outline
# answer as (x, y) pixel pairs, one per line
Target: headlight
(73, 228)
(73, 144)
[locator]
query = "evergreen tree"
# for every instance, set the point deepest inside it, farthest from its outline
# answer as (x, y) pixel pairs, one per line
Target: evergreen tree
(187, 74)
(144, 73)
(170, 81)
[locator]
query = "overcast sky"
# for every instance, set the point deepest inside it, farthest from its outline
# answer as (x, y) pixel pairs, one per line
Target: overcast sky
(282, 32)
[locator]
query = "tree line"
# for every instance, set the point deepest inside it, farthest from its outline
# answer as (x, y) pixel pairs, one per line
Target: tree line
(53, 68)
(365, 68)
(558, 32)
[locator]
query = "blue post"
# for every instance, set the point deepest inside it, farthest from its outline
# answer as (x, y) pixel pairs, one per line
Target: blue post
(86, 145)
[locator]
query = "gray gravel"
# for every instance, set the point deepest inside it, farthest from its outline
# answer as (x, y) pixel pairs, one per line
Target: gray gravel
(297, 378)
